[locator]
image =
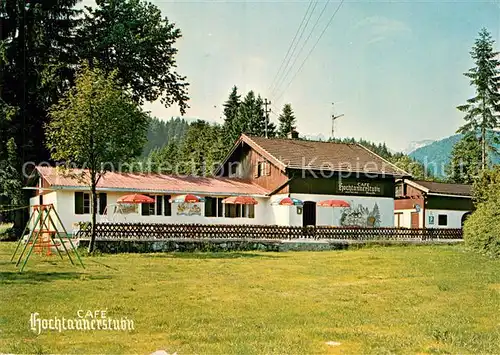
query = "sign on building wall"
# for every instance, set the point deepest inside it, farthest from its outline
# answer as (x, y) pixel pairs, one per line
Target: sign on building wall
(360, 188)
(188, 209)
(342, 186)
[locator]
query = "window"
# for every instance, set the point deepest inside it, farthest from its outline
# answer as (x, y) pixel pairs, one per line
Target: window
(213, 206)
(263, 169)
(442, 220)
(161, 206)
(230, 210)
(398, 219)
(233, 168)
(236, 211)
(250, 211)
(83, 205)
(399, 190)
(148, 209)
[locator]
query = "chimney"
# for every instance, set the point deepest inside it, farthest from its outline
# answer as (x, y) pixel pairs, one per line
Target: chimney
(293, 134)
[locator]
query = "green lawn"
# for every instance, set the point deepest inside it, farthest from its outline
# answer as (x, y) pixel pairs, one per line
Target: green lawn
(377, 300)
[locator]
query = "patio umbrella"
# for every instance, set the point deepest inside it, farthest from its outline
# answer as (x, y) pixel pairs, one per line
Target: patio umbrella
(288, 201)
(240, 200)
(189, 198)
(135, 198)
(333, 203)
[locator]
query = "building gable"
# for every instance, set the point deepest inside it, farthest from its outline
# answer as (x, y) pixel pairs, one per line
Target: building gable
(252, 164)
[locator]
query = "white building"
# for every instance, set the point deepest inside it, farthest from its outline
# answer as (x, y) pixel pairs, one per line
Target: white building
(267, 170)
(425, 204)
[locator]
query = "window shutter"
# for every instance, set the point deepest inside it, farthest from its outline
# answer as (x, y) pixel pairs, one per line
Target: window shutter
(209, 206)
(268, 169)
(167, 211)
(159, 205)
(256, 170)
(103, 202)
(78, 202)
(145, 209)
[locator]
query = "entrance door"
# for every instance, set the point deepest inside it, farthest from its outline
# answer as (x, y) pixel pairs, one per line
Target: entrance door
(415, 220)
(309, 214)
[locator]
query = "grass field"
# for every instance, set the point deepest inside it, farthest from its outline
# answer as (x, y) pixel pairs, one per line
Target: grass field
(378, 300)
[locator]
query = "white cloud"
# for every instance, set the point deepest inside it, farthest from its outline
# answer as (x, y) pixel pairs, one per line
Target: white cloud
(381, 28)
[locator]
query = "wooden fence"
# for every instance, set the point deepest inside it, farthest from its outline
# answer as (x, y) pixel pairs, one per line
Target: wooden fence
(143, 231)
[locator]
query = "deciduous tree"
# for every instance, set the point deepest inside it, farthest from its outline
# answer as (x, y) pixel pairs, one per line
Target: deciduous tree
(133, 37)
(96, 125)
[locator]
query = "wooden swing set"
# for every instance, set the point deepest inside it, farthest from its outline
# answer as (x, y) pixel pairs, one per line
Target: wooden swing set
(44, 236)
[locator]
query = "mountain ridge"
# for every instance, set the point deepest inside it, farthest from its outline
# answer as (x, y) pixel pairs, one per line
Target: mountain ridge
(437, 154)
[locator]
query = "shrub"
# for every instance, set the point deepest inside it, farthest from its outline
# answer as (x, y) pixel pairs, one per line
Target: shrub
(482, 228)
(6, 232)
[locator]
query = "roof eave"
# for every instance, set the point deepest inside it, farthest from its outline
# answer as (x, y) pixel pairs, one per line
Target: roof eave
(159, 191)
(448, 195)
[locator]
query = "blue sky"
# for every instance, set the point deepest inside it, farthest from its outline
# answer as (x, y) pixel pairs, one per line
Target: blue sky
(394, 67)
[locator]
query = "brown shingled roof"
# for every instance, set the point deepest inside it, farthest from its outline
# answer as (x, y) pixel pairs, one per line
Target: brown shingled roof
(328, 156)
(445, 188)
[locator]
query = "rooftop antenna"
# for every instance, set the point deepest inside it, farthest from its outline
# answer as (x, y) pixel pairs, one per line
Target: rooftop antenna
(333, 121)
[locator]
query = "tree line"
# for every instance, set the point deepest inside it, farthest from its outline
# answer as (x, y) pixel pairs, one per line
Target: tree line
(44, 43)
(203, 145)
(48, 49)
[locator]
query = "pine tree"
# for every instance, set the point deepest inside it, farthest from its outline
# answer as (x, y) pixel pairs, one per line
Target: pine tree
(271, 130)
(481, 110)
(465, 162)
(244, 118)
(286, 120)
(231, 107)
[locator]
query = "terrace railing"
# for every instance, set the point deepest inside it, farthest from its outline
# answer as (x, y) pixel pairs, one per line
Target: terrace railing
(148, 231)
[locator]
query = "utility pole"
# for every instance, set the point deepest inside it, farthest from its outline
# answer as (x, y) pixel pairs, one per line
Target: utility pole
(333, 121)
(266, 111)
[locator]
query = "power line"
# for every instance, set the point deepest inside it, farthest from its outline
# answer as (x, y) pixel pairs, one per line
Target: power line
(283, 78)
(312, 49)
(293, 41)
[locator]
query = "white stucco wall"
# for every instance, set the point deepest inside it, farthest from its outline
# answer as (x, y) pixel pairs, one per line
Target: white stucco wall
(406, 217)
(48, 198)
(454, 218)
(331, 216)
(64, 203)
(265, 212)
